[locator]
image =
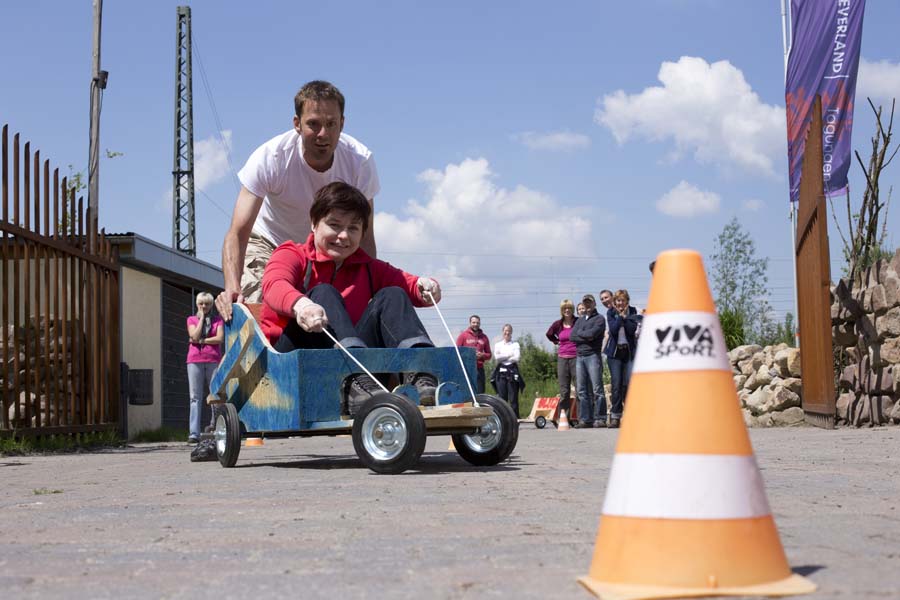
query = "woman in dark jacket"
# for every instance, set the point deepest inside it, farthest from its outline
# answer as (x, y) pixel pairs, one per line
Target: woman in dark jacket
(623, 323)
(559, 333)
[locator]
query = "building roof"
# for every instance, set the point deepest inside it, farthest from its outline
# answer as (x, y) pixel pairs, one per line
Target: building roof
(152, 257)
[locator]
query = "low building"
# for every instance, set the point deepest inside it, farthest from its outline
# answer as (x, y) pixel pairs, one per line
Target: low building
(158, 287)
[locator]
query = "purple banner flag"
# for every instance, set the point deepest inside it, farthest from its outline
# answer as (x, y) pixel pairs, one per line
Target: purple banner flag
(824, 60)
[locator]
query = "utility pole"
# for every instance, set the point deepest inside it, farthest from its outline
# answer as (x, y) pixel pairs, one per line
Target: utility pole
(183, 237)
(98, 84)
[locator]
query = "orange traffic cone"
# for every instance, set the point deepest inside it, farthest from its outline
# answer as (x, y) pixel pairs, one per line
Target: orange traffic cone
(451, 446)
(685, 513)
(563, 421)
(253, 441)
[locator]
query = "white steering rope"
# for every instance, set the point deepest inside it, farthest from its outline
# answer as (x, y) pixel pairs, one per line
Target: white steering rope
(455, 347)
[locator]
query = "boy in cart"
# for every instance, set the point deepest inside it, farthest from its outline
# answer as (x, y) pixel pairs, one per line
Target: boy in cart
(329, 282)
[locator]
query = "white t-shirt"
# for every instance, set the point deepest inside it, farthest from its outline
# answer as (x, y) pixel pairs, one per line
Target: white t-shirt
(277, 172)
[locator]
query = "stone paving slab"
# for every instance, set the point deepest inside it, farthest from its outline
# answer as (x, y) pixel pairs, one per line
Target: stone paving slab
(302, 518)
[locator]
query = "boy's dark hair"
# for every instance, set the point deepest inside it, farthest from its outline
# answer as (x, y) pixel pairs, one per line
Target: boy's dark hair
(317, 91)
(338, 195)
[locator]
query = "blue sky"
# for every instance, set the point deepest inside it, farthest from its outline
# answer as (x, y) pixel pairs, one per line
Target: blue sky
(523, 154)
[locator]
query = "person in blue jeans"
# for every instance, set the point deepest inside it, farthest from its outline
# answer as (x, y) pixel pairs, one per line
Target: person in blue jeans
(587, 333)
(624, 322)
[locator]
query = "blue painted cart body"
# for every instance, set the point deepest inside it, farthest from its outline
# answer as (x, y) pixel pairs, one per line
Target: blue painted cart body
(300, 391)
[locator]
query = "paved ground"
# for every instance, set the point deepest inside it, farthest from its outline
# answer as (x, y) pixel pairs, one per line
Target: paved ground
(302, 518)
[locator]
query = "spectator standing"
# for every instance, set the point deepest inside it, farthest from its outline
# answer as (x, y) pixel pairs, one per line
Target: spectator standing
(205, 335)
(587, 333)
(278, 184)
(620, 349)
(559, 333)
(509, 381)
(474, 337)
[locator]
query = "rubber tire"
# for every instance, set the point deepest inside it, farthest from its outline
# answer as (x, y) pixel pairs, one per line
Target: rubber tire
(415, 430)
(509, 435)
(540, 422)
(229, 456)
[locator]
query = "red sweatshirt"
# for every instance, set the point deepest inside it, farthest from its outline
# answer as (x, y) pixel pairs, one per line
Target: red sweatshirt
(284, 274)
(479, 341)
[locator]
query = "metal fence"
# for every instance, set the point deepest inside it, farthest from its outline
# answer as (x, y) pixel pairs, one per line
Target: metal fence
(60, 305)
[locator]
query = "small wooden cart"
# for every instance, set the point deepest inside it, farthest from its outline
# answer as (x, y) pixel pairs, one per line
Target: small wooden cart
(259, 392)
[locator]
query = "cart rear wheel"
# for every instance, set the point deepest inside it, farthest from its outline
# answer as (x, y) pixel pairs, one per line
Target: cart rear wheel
(496, 439)
(388, 433)
(228, 435)
(540, 422)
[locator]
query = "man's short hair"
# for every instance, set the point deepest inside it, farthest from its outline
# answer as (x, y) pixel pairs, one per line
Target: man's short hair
(474, 317)
(606, 292)
(338, 195)
(317, 91)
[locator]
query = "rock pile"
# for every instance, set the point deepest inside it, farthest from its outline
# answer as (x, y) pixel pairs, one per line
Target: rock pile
(768, 384)
(50, 387)
(865, 318)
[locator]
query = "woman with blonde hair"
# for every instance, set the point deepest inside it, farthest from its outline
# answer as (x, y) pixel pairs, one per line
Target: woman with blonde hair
(621, 345)
(559, 333)
(205, 335)
(509, 381)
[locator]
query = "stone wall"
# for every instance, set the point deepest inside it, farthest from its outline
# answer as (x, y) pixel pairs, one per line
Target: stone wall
(768, 384)
(865, 318)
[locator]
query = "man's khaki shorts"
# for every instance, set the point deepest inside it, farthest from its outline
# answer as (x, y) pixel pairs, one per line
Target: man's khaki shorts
(259, 251)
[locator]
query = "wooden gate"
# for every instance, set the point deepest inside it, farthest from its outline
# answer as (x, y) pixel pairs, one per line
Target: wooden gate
(60, 306)
(813, 283)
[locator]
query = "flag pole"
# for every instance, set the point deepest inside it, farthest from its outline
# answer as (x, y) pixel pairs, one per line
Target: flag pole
(793, 211)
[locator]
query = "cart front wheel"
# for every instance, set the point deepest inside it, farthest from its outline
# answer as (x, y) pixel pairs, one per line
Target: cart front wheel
(228, 435)
(540, 422)
(388, 433)
(496, 439)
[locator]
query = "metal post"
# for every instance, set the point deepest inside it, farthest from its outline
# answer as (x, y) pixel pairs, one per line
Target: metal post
(183, 235)
(98, 83)
(793, 210)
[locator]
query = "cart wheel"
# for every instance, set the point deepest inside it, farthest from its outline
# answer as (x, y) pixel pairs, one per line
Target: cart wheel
(497, 438)
(540, 422)
(228, 435)
(388, 433)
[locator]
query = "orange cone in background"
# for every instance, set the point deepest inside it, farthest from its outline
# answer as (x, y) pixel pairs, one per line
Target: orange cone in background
(563, 421)
(253, 441)
(685, 513)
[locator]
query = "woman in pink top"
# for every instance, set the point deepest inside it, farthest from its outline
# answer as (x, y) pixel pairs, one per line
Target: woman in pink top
(205, 335)
(565, 354)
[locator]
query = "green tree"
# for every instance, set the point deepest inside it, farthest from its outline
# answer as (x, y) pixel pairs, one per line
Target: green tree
(740, 282)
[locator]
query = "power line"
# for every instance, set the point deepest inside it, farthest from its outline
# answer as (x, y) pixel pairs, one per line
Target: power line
(212, 103)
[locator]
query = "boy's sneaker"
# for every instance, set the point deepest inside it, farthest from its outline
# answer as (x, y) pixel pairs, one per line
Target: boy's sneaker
(357, 390)
(426, 385)
(193, 440)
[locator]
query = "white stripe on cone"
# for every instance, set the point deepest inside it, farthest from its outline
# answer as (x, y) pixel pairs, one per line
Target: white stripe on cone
(681, 341)
(685, 486)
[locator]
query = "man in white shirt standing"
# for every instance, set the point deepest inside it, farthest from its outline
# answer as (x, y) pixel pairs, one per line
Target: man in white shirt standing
(278, 183)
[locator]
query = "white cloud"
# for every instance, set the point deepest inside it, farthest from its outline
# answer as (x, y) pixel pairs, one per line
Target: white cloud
(558, 141)
(879, 81)
(706, 109)
(467, 213)
(686, 200)
(211, 160)
(753, 205)
(210, 166)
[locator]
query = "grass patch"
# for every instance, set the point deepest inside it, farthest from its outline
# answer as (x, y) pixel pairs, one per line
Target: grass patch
(76, 442)
(162, 434)
(44, 491)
